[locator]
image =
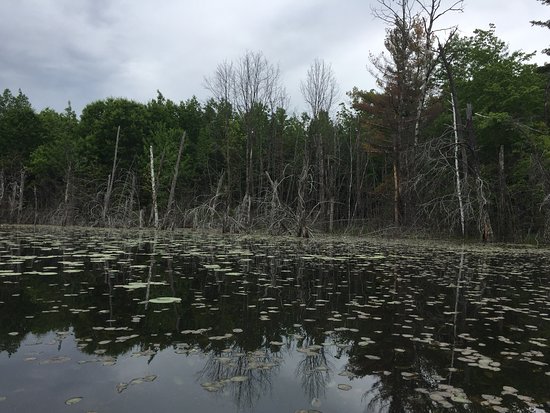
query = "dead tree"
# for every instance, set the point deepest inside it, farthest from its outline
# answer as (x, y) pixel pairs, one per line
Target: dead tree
(458, 135)
(153, 187)
(110, 181)
(319, 90)
(172, 194)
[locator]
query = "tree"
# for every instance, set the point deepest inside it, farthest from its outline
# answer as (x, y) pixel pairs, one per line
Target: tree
(543, 23)
(319, 91)
(253, 85)
(20, 134)
(58, 161)
(512, 96)
(320, 88)
(405, 76)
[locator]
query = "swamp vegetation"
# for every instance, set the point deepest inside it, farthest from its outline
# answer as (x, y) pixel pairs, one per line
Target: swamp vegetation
(129, 320)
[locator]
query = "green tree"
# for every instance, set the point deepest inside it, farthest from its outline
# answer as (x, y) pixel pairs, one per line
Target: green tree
(20, 128)
(507, 95)
(60, 161)
(543, 23)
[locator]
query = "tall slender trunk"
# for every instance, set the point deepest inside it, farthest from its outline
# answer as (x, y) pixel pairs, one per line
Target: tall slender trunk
(247, 201)
(320, 173)
(457, 166)
(21, 195)
(2, 186)
(350, 186)
(153, 187)
(458, 138)
(110, 180)
(174, 181)
(35, 206)
(396, 182)
(501, 194)
(66, 196)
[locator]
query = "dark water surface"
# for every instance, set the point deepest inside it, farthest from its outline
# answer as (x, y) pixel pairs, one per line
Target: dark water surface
(128, 321)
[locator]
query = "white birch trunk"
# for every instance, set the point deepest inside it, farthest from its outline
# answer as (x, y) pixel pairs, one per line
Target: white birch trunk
(457, 168)
(154, 187)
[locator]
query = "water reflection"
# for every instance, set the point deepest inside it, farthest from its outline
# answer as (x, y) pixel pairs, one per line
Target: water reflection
(355, 326)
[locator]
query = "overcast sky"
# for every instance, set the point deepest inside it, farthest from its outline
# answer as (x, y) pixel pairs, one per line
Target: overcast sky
(85, 50)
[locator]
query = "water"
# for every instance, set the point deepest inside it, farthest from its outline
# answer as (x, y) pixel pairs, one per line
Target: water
(259, 324)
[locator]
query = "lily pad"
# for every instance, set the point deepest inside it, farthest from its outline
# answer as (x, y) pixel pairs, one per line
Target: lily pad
(73, 400)
(165, 300)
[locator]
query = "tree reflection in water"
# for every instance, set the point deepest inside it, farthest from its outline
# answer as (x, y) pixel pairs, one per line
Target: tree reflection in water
(246, 376)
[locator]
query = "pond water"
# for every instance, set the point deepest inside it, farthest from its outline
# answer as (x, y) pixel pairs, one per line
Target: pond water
(129, 321)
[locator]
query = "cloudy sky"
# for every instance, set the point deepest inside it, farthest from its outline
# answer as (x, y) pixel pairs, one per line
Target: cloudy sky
(85, 50)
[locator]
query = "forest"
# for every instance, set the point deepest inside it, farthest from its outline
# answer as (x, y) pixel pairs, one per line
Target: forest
(454, 142)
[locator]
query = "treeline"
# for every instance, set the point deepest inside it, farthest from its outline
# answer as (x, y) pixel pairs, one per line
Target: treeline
(455, 141)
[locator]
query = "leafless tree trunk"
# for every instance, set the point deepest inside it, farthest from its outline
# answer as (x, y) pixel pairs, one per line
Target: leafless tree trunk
(35, 206)
(174, 181)
(457, 167)
(67, 193)
(302, 230)
(153, 187)
(21, 195)
(2, 186)
(458, 137)
(331, 215)
(110, 180)
(129, 204)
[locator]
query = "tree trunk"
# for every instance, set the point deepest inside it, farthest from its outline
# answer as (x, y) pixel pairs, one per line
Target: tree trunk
(458, 139)
(153, 187)
(302, 230)
(396, 183)
(66, 196)
(320, 173)
(35, 206)
(484, 222)
(174, 181)
(331, 215)
(21, 196)
(110, 180)
(247, 201)
(457, 167)
(2, 186)
(501, 195)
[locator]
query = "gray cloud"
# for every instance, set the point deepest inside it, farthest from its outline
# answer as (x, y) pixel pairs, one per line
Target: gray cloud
(60, 50)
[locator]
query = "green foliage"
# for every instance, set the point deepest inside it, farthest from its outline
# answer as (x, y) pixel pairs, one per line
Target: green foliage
(20, 129)
(62, 147)
(98, 125)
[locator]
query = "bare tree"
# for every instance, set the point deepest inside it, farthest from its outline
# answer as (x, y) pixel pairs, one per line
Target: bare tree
(256, 82)
(320, 88)
(221, 83)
